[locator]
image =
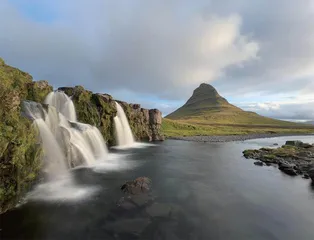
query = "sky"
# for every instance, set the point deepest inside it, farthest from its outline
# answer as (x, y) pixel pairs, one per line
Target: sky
(258, 54)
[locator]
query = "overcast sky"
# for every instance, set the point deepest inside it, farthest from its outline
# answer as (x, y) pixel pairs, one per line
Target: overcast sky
(259, 54)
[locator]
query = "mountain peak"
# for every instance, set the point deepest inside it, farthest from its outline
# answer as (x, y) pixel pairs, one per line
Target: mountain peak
(205, 93)
(205, 98)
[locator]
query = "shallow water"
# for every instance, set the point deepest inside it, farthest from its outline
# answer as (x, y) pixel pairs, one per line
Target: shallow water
(216, 194)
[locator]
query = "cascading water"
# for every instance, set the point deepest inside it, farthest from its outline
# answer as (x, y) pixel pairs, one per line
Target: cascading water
(66, 142)
(62, 103)
(123, 131)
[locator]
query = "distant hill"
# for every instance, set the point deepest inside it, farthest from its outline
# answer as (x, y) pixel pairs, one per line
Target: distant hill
(206, 106)
(310, 122)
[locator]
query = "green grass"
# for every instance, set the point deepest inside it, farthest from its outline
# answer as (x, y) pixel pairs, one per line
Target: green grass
(207, 113)
(179, 128)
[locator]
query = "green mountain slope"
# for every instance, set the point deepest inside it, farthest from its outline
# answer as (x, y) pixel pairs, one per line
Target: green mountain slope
(206, 106)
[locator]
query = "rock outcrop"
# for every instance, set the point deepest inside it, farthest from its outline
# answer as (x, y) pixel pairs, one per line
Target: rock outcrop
(99, 110)
(293, 158)
(20, 151)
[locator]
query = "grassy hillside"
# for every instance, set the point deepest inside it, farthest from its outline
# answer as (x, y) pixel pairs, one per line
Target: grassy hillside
(207, 113)
(177, 128)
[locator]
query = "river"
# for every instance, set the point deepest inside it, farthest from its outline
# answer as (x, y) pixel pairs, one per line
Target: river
(217, 194)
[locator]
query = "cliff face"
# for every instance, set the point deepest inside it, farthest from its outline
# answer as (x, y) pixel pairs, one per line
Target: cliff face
(20, 150)
(145, 123)
(99, 110)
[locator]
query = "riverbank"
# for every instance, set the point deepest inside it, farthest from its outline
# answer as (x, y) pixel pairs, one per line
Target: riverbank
(293, 158)
(233, 138)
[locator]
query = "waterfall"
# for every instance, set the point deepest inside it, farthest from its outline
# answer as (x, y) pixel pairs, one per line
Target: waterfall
(123, 131)
(62, 103)
(66, 142)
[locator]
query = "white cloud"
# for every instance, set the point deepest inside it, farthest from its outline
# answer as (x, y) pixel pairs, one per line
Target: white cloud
(102, 45)
(165, 48)
(295, 110)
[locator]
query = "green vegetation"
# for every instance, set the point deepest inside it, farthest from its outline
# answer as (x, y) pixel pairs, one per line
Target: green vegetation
(176, 128)
(99, 110)
(94, 109)
(207, 113)
(275, 153)
(20, 153)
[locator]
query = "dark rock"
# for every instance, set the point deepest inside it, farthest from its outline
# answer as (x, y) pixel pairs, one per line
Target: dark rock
(135, 106)
(306, 176)
(159, 210)
(275, 144)
(288, 169)
(126, 204)
(311, 173)
(294, 143)
(133, 226)
(306, 145)
(138, 186)
(141, 200)
(258, 163)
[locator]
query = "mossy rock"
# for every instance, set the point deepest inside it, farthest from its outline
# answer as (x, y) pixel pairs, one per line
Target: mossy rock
(94, 109)
(20, 154)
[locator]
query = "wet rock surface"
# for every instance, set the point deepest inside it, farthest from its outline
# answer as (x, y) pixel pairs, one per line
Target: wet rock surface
(294, 158)
(137, 186)
(138, 215)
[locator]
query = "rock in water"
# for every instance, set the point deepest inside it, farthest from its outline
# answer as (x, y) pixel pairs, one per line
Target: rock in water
(159, 210)
(288, 169)
(294, 143)
(138, 186)
(133, 226)
(311, 173)
(258, 163)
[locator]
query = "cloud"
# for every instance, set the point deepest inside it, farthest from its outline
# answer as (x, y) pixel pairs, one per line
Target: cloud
(283, 110)
(151, 48)
(163, 49)
(285, 32)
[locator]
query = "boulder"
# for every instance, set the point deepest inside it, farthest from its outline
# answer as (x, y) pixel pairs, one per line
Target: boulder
(287, 168)
(137, 186)
(306, 145)
(258, 163)
(159, 210)
(311, 173)
(306, 176)
(134, 226)
(295, 143)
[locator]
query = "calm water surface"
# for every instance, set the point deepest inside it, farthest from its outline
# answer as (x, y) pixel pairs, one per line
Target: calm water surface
(216, 194)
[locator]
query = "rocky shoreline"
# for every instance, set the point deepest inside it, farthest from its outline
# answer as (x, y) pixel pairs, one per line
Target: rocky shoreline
(294, 158)
(233, 138)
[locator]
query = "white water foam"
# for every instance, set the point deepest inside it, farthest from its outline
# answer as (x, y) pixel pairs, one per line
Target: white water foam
(62, 189)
